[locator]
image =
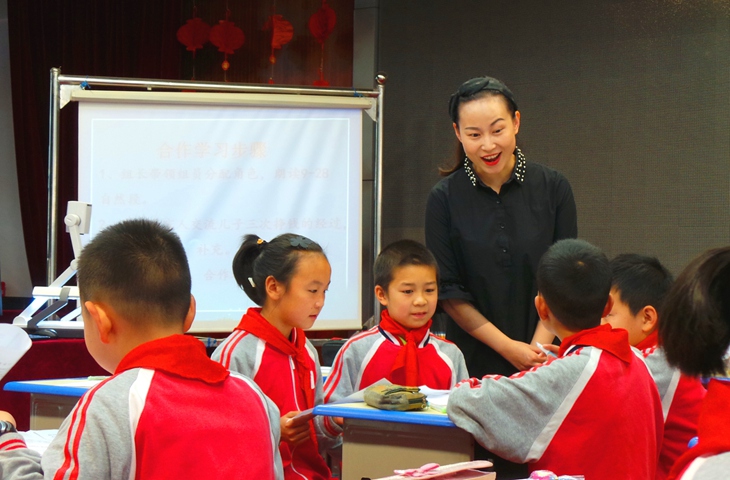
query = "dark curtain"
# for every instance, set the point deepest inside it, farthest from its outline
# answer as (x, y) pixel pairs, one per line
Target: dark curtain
(137, 39)
(134, 38)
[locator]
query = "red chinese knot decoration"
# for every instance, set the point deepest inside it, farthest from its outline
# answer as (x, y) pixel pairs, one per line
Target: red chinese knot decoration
(321, 25)
(194, 34)
(228, 38)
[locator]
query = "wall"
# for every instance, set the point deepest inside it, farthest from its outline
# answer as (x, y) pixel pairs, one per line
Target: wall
(628, 98)
(13, 263)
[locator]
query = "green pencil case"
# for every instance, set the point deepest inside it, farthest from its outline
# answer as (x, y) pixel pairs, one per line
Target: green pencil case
(395, 397)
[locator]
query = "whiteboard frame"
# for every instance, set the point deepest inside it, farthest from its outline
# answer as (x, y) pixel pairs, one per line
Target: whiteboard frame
(63, 88)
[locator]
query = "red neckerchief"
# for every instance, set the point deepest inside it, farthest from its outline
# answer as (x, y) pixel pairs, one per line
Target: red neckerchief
(408, 355)
(712, 428)
(611, 340)
(179, 355)
(257, 325)
(651, 341)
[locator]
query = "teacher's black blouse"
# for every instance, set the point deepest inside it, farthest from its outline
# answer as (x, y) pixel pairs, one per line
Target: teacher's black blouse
(488, 245)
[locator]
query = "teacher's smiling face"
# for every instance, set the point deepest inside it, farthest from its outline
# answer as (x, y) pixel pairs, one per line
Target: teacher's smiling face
(487, 131)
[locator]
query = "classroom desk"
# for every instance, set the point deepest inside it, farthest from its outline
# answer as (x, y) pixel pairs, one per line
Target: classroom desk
(51, 400)
(376, 442)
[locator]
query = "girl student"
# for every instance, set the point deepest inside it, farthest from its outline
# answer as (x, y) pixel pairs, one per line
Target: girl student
(695, 333)
(287, 277)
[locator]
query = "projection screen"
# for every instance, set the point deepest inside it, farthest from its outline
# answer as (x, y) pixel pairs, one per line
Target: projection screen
(215, 171)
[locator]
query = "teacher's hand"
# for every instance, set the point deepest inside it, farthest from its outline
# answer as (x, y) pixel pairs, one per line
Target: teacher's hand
(522, 355)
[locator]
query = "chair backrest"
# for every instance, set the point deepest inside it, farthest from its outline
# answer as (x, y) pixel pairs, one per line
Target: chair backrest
(329, 351)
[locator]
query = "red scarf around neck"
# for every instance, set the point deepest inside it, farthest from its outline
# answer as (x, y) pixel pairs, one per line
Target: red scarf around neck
(408, 355)
(612, 340)
(652, 340)
(180, 355)
(257, 325)
(712, 428)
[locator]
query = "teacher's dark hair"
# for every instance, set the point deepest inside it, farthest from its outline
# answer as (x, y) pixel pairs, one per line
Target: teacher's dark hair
(694, 329)
(258, 259)
(471, 90)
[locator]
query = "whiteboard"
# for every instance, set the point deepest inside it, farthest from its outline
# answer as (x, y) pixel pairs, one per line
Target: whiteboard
(217, 172)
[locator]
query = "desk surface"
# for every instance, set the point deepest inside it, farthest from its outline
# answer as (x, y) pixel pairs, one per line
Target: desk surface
(361, 411)
(67, 387)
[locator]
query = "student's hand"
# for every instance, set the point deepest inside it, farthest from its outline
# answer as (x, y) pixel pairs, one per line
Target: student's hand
(6, 417)
(523, 356)
(295, 430)
(552, 348)
(339, 421)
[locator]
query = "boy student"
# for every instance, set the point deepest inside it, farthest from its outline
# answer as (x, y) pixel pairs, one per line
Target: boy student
(640, 284)
(401, 348)
(594, 410)
(168, 411)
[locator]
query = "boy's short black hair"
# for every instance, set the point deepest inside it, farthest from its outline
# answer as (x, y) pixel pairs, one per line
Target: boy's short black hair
(695, 328)
(400, 254)
(138, 267)
(574, 278)
(640, 281)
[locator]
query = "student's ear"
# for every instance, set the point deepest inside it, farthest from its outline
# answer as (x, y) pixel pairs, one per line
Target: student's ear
(274, 288)
(608, 307)
(456, 131)
(649, 317)
(381, 295)
(543, 311)
(190, 315)
(102, 318)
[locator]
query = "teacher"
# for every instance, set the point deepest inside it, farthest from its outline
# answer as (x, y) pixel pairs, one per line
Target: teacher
(488, 222)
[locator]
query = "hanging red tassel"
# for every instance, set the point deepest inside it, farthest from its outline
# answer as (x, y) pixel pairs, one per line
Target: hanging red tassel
(321, 25)
(282, 32)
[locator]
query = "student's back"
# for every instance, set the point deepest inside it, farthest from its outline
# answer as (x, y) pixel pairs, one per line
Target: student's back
(168, 411)
(179, 419)
(695, 335)
(592, 411)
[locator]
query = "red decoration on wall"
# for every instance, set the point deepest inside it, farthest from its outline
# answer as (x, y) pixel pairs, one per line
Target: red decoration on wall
(194, 34)
(228, 38)
(321, 25)
(281, 33)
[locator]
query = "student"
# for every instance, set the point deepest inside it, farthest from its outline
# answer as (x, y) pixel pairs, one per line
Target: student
(287, 278)
(695, 334)
(401, 348)
(168, 411)
(640, 284)
(592, 411)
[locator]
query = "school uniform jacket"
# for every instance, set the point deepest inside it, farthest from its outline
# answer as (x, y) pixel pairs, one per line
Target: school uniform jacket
(169, 412)
(274, 371)
(681, 397)
(369, 356)
(710, 458)
(592, 411)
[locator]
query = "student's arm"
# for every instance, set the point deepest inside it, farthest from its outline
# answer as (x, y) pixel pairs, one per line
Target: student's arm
(328, 432)
(516, 417)
(519, 354)
(17, 462)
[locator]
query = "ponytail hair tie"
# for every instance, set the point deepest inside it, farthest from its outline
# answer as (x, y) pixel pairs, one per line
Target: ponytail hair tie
(260, 241)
